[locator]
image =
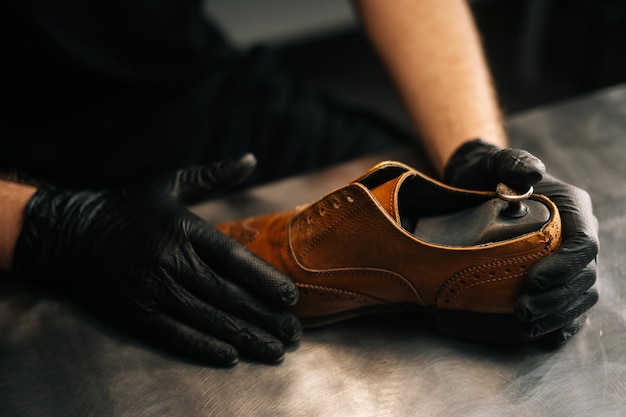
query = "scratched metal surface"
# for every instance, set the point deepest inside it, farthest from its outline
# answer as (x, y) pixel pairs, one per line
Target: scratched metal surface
(56, 361)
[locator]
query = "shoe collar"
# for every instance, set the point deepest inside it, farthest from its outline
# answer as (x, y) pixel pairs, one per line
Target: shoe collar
(400, 189)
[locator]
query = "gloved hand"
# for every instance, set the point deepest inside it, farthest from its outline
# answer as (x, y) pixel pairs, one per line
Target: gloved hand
(559, 286)
(138, 258)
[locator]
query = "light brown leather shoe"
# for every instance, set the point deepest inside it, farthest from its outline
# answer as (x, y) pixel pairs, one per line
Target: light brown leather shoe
(395, 240)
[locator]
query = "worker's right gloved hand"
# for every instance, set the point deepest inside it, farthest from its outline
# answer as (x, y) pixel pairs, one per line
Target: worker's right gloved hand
(138, 258)
(560, 288)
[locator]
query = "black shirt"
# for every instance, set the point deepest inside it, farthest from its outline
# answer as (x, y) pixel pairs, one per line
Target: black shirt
(99, 91)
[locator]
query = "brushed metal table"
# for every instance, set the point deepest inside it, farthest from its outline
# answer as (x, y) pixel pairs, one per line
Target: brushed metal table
(57, 361)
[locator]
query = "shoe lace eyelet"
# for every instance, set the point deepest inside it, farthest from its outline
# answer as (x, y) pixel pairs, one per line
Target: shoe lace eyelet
(322, 211)
(350, 198)
(336, 204)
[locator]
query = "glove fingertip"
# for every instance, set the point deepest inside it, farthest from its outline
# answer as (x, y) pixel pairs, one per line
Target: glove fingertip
(273, 352)
(522, 309)
(235, 172)
(291, 330)
(226, 356)
(564, 334)
(247, 161)
(534, 282)
(289, 295)
(517, 167)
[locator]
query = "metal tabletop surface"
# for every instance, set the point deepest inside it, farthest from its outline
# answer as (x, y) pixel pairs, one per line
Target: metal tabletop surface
(56, 360)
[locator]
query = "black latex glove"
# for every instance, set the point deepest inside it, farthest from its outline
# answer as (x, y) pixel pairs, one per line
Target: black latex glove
(559, 286)
(138, 258)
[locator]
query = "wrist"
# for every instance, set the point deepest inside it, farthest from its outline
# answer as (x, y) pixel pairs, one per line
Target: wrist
(13, 200)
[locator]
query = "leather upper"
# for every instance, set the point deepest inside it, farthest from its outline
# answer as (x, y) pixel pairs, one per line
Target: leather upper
(348, 250)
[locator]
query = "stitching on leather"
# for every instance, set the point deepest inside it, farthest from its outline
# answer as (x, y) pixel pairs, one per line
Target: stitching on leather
(329, 229)
(332, 290)
(370, 272)
(554, 229)
(483, 268)
(392, 210)
(351, 271)
(454, 282)
(383, 273)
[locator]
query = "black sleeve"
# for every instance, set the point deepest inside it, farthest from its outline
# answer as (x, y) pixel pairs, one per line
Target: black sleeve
(101, 91)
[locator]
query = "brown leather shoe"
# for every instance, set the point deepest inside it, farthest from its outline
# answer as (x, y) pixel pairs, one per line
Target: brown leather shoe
(396, 240)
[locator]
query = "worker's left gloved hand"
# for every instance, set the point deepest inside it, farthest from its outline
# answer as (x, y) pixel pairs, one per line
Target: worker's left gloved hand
(560, 289)
(137, 258)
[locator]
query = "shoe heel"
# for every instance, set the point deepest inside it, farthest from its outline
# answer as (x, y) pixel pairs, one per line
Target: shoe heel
(481, 327)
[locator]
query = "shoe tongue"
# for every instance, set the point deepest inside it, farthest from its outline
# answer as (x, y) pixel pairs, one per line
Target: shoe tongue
(387, 195)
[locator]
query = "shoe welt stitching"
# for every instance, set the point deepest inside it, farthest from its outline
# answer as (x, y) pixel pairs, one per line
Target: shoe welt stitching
(363, 297)
(370, 272)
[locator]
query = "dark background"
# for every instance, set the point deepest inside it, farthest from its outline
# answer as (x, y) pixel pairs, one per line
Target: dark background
(540, 51)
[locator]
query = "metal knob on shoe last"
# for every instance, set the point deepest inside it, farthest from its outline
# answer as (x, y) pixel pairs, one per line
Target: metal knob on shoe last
(516, 208)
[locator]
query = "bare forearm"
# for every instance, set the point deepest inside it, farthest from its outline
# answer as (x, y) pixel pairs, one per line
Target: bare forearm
(13, 199)
(434, 54)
